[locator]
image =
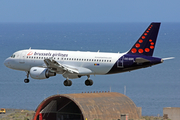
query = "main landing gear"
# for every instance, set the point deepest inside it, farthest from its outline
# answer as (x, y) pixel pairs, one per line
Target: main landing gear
(27, 80)
(88, 82)
(67, 82)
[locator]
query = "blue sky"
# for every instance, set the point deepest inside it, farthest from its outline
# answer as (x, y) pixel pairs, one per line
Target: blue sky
(89, 10)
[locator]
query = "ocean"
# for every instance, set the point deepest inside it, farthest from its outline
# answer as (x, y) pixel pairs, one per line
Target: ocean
(151, 88)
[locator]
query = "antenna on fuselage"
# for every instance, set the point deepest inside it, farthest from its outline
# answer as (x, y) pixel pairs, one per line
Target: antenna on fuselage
(30, 48)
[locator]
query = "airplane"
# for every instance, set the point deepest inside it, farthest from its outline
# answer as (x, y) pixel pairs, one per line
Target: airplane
(42, 64)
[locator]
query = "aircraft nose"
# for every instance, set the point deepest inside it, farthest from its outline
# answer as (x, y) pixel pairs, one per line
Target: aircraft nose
(7, 62)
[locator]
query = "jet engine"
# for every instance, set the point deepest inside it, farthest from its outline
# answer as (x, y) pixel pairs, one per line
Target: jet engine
(41, 73)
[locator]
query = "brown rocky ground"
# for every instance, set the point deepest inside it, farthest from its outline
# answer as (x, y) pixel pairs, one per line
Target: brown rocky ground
(16, 114)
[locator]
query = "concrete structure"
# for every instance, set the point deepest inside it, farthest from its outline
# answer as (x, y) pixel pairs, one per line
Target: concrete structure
(87, 106)
(172, 113)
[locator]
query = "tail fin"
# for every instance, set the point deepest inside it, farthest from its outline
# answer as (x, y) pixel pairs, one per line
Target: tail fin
(146, 43)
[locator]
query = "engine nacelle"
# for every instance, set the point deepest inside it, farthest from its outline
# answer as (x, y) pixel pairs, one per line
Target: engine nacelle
(41, 73)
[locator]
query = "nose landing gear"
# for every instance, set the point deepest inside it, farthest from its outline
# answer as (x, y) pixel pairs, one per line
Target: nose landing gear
(27, 80)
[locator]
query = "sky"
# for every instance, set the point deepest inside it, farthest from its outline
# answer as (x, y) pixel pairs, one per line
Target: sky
(99, 11)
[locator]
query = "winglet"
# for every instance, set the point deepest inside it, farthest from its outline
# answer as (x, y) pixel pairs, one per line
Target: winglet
(146, 43)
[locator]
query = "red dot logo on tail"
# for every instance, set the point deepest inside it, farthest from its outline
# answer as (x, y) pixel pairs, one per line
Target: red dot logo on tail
(152, 47)
(140, 41)
(133, 50)
(143, 37)
(140, 50)
(152, 43)
(147, 49)
(137, 45)
(145, 45)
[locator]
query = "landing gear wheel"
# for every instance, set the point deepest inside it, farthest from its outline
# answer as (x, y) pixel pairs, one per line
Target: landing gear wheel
(67, 83)
(26, 80)
(88, 82)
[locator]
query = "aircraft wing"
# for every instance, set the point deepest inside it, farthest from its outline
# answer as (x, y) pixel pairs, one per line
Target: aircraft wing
(54, 66)
(57, 67)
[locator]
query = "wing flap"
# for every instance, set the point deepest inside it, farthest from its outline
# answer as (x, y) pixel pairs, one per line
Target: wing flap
(53, 65)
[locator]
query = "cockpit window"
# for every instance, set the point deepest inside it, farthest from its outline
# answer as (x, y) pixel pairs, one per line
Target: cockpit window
(13, 56)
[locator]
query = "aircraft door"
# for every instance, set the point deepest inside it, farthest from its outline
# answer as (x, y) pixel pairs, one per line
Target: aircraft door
(22, 57)
(120, 62)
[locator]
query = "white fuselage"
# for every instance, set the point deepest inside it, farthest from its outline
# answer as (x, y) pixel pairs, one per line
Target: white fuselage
(97, 62)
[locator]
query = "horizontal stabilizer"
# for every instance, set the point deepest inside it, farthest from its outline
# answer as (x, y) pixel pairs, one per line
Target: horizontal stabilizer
(141, 60)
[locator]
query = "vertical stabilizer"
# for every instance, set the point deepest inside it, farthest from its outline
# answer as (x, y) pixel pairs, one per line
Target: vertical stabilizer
(145, 45)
